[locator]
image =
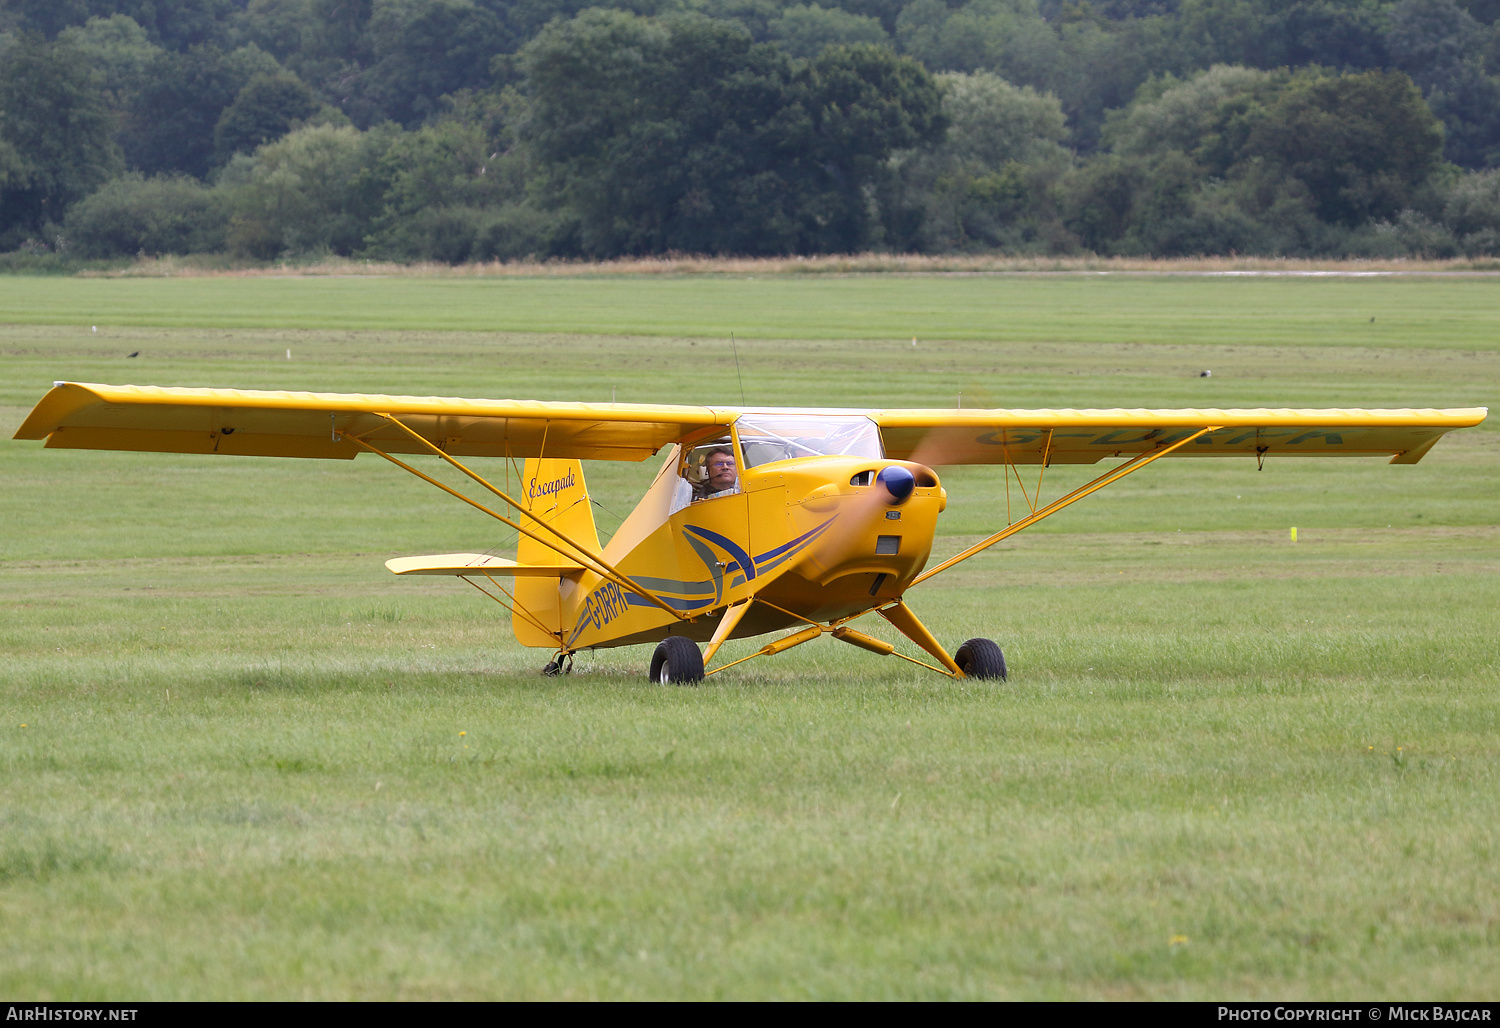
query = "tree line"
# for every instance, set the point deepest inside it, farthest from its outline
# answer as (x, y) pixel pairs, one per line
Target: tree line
(457, 130)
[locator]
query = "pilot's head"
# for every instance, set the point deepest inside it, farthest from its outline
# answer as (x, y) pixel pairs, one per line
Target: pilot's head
(718, 470)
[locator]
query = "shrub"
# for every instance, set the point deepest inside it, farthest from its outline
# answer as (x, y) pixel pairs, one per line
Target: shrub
(455, 234)
(1473, 213)
(133, 214)
(517, 231)
(314, 191)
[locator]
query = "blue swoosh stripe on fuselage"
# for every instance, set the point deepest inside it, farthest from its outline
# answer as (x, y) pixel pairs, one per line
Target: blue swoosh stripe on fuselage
(637, 600)
(785, 550)
(692, 589)
(729, 545)
(672, 585)
(799, 542)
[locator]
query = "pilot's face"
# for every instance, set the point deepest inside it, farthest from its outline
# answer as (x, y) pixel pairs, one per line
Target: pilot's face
(721, 472)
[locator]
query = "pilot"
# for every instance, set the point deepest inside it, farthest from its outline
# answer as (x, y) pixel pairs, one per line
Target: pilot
(720, 477)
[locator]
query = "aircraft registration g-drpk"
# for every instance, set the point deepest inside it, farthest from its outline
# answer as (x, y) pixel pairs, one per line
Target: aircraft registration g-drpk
(759, 521)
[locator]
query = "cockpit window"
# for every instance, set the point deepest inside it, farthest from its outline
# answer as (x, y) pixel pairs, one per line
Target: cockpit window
(771, 437)
(699, 462)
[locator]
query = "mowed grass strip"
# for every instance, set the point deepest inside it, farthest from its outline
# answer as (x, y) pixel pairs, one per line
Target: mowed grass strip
(1460, 314)
(256, 765)
(1188, 790)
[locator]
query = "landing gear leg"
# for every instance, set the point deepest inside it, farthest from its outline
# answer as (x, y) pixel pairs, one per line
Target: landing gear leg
(907, 624)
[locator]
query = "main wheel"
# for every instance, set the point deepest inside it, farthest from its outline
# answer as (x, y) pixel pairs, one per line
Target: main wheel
(677, 660)
(981, 658)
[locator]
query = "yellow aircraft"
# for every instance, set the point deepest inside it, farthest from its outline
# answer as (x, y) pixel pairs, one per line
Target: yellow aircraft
(760, 520)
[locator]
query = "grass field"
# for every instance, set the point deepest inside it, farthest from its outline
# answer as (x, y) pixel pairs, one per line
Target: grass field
(1007, 309)
(256, 765)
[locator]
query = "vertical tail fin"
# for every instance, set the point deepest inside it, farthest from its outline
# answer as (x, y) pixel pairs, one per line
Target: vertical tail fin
(555, 495)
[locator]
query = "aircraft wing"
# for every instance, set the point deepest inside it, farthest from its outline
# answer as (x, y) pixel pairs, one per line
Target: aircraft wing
(1086, 436)
(250, 422)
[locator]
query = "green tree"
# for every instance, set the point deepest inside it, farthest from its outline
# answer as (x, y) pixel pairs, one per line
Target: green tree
(285, 29)
(1201, 116)
(118, 50)
(317, 190)
(55, 142)
(1254, 161)
(1331, 33)
(266, 109)
(170, 124)
(338, 28)
(884, 11)
(989, 182)
(1221, 31)
(446, 183)
(420, 51)
(866, 104)
(1102, 66)
(175, 24)
(805, 31)
(684, 134)
(620, 109)
(1008, 37)
(1362, 144)
(1472, 213)
(1442, 47)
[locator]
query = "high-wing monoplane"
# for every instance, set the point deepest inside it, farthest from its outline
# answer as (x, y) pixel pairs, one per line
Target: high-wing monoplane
(759, 520)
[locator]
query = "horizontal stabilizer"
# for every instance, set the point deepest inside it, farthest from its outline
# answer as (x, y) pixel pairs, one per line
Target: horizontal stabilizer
(476, 564)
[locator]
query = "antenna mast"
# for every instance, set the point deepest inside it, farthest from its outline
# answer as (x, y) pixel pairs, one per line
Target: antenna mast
(738, 374)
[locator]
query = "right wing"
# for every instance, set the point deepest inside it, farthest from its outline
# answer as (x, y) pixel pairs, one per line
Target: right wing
(253, 422)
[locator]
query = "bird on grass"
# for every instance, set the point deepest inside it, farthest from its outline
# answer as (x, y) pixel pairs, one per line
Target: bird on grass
(135, 354)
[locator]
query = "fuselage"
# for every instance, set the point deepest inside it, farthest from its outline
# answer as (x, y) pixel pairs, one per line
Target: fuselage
(813, 538)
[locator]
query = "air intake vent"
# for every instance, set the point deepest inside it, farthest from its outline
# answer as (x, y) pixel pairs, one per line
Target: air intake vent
(887, 544)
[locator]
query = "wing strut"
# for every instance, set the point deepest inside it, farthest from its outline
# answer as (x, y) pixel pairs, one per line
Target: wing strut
(516, 610)
(583, 556)
(1113, 475)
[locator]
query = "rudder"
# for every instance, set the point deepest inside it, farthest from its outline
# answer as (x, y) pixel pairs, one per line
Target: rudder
(556, 495)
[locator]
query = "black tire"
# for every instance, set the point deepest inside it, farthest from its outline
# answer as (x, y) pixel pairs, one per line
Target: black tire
(981, 658)
(677, 661)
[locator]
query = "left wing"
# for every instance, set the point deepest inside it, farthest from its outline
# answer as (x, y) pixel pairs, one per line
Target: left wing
(1087, 436)
(252, 422)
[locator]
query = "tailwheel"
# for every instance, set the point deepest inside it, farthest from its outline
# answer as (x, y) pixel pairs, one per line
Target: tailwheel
(563, 665)
(677, 660)
(981, 658)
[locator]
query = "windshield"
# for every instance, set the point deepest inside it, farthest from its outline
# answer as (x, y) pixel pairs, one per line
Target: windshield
(769, 437)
